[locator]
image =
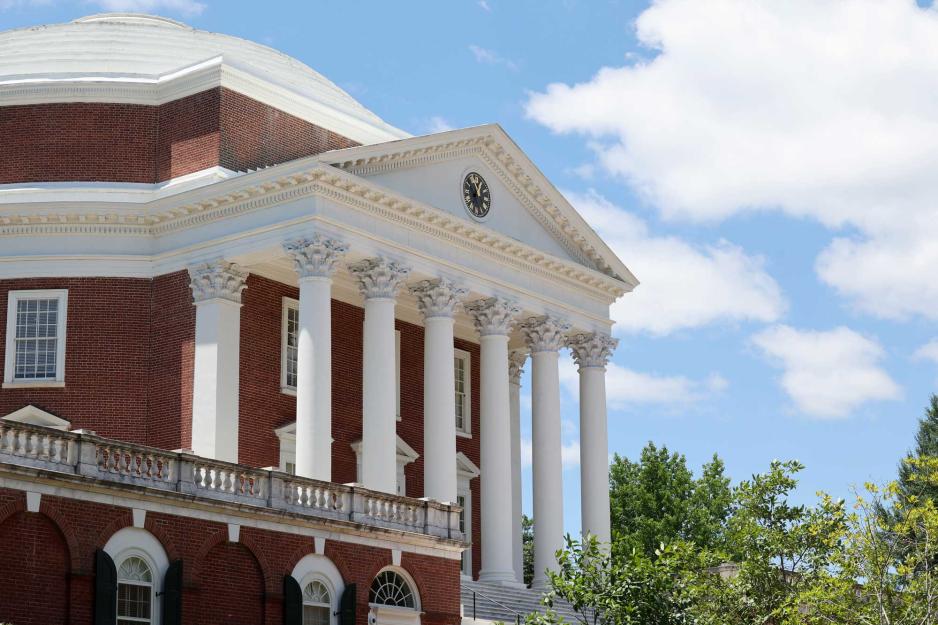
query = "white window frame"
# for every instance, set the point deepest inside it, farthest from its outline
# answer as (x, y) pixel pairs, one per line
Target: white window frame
(317, 567)
(288, 304)
(466, 471)
(397, 372)
(9, 366)
(466, 430)
(137, 542)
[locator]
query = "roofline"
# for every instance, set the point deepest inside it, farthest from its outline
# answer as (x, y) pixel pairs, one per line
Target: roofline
(498, 134)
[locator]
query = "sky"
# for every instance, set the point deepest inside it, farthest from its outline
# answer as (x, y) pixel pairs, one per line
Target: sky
(768, 170)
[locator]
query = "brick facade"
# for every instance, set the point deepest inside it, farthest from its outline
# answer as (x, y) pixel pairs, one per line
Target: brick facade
(129, 359)
(47, 574)
(71, 142)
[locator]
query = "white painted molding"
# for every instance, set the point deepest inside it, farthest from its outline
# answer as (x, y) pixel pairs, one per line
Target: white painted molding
(33, 501)
(37, 416)
(234, 533)
(320, 545)
(396, 557)
(140, 518)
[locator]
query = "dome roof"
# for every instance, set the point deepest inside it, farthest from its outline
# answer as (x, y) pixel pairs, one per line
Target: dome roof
(127, 47)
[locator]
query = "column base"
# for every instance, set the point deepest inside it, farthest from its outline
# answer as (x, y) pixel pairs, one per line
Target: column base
(503, 578)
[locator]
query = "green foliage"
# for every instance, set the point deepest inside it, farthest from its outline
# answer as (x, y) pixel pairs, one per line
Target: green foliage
(657, 500)
(527, 548)
(883, 571)
(624, 589)
(926, 445)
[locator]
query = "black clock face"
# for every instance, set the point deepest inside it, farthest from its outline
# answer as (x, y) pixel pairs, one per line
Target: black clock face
(476, 195)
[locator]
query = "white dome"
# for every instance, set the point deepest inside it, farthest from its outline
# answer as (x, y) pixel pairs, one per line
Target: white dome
(128, 47)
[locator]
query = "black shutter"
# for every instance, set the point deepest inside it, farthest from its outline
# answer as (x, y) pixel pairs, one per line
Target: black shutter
(172, 594)
(105, 589)
(292, 601)
(347, 606)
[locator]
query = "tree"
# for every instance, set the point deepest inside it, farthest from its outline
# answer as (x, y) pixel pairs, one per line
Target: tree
(883, 572)
(606, 588)
(778, 549)
(527, 549)
(926, 445)
(657, 500)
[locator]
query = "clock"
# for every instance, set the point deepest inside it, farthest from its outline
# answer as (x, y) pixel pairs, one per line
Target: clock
(476, 195)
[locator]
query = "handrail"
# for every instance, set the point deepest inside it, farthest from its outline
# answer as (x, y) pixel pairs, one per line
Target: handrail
(518, 615)
(82, 452)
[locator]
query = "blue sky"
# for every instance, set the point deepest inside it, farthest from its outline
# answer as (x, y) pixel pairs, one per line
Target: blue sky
(766, 169)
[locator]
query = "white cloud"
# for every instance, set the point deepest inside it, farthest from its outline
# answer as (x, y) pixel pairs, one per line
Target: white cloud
(812, 108)
(437, 124)
(569, 453)
(187, 8)
(683, 286)
(484, 5)
(928, 351)
(491, 57)
(828, 374)
(625, 387)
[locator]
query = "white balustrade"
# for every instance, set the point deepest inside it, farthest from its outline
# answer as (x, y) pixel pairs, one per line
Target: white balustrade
(86, 454)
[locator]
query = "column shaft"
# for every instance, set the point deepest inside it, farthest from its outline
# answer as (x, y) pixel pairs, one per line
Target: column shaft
(594, 456)
(515, 363)
(495, 437)
(314, 380)
(439, 421)
(547, 482)
(379, 418)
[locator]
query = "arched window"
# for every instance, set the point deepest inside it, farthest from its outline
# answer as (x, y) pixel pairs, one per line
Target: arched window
(317, 604)
(134, 592)
(391, 589)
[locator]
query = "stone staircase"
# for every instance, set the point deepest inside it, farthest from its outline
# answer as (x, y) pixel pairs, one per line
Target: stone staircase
(505, 604)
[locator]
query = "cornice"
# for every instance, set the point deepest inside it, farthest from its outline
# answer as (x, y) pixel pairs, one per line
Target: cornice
(263, 189)
(510, 172)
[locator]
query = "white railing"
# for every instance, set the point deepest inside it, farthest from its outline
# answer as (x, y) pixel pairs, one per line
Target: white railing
(86, 454)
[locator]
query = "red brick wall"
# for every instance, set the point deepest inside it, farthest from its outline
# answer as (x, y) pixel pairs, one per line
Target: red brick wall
(106, 356)
(129, 361)
(51, 577)
(34, 571)
(136, 143)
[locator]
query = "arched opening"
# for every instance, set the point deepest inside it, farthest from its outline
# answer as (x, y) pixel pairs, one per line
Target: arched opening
(141, 564)
(322, 587)
(34, 575)
(231, 588)
(393, 598)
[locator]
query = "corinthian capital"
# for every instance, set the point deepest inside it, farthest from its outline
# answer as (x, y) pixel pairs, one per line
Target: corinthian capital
(378, 277)
(592, 349)
(218, 279)
(516, 360)
(316, 256)
(493, 315)
(437, 298)
(545, 333)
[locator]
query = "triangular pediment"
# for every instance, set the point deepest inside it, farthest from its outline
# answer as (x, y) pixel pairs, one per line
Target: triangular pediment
(31, 415)
(525, 205)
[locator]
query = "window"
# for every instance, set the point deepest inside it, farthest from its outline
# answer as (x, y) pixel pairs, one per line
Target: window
(466, 471)
(288, 345)
(134, 592)
(397, 372)
(463, 396)
(317, 604)
(467, 554)
(35, 341)
(391, 589)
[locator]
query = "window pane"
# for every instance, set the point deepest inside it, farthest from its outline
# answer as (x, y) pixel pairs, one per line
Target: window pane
(315, 615)
(36, 339)
(293, 320)
(133, 601)
(460, 378)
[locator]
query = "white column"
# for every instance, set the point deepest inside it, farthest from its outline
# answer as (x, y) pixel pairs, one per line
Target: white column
(494, 318)
(437, 300)
(545, 336)
(379, 280)
(315, 260)
(591, 353)
(515, 364)
(216, 292)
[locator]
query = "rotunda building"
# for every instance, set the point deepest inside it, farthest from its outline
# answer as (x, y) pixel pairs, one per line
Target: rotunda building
(263, 351)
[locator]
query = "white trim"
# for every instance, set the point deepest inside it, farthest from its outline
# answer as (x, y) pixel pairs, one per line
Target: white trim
(409, 580)
(405, 456)
(315, 567)
(466, 471)
(234, 533)
(60, 336)
(466, 430)
(288, 304)
(397, 372)
(33, 501)
(37, 416)
(135, 542)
